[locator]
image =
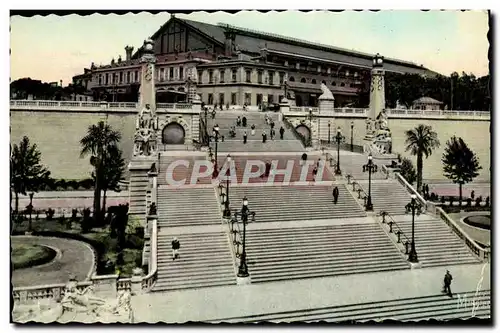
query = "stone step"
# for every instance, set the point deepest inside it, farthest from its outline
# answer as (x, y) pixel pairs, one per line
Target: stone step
(425, 307)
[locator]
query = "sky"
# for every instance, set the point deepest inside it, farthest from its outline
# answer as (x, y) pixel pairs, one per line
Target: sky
(54, 48)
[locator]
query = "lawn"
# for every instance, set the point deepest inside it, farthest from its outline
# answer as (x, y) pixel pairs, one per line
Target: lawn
(105, 245)
(24, 256)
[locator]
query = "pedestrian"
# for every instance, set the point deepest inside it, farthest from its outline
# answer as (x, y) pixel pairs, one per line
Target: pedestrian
(245, 137)
(272, 124)
(273, 134)
(244, 121)
(175, 248)
(268, 169)
(315, 172)
(282, 132)
(472, 195)
(447, 283)
(253, 129)
(238, 121)
(335, 194)
(264, 137)
(213, 114)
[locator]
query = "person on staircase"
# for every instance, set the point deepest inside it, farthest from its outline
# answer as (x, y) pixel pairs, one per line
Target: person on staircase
(253, 129)
(245, 137)
(244, 121)
(213, 114)
(447, 283)
(335, 194)
(176, 245)
(268, 169)
(272, 124)
(282, 132)
(264, 137)
(315, 173)
(238, 121)
(273, 133)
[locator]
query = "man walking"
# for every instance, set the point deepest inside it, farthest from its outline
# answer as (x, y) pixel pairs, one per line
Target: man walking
(253, 129)
(175, 248)
(245, 137)
(335, 194)
(447, 283)
(282, 132)
(264, 137)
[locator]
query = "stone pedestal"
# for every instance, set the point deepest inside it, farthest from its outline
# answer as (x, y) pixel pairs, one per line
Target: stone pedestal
(242, 281)
(136, 281)
(415, 265)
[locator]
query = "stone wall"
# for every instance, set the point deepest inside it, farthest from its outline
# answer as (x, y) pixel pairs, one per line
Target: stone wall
(474, 132)
(57, 134)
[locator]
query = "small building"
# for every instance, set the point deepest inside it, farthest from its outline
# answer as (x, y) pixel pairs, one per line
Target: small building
(427, 103)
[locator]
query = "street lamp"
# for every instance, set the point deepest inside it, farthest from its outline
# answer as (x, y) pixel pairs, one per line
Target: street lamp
(215, 135)
(227, 210)
(329, 125)
(339, 138)
(414, 206)
(352, 128)
(205, 110)
(30, 209)
(370, 167)
(244, 214)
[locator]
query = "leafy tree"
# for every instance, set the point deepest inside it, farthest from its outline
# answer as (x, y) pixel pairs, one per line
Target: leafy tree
(26, 172)
(113, 169)
(97, 142)
(408, 171)
(460, 163)
(421, 141)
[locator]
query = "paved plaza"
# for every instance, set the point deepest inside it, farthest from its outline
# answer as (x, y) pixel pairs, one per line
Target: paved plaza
(212, 304)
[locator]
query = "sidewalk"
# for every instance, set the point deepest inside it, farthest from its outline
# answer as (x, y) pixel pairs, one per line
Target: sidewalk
(236, 301)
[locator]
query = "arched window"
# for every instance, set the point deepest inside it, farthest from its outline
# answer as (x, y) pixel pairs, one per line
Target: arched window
(313, 81)
(303, 80)
(342, 84)
(291, 79)
(334, 83)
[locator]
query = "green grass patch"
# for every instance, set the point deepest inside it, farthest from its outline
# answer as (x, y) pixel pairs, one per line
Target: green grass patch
(24, 256)
(479, 221)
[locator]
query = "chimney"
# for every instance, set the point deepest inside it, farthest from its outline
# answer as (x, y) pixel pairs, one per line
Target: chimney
(128, 52)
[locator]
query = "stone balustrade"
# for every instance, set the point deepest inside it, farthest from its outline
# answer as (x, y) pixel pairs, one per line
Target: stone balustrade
(399, 113)
(91, 106)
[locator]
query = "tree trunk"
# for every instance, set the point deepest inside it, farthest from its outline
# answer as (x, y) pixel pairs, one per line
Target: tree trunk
(419, 171)
(104, 203)
(460, 194)
(17, 203)
(97, 195)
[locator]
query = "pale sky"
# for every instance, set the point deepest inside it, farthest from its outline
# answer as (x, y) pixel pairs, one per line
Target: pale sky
(53, 48)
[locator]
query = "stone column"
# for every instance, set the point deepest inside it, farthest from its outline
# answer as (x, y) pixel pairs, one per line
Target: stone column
(147, 89)
(136, 281)
(326, 108)
(377, 95)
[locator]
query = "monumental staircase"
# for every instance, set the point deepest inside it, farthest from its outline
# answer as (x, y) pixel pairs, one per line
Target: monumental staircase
(282, 161)
(187, 207)
(436, 244)
(204, 261)
(296, 203)
(387, 195)
(181, 172)
(437, 306)
(319, 251)
(138, 187)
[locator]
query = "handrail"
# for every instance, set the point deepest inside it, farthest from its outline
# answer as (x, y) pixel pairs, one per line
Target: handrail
(411, 189)
(299, 136)
(385, 171)
(149, 280)
(483, 254)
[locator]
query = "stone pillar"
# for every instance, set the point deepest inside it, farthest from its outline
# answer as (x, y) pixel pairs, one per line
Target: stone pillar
(326, 108)
(136, 281)
(285, 107)
(147, 89)
(377, 95)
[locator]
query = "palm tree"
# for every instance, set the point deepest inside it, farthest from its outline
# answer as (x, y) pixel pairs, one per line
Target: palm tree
(112, 174)
(421, 141)
(460, 164)
(99, 139)
(26, 172)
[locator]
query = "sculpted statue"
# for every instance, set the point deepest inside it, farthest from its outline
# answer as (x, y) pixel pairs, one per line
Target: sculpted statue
(326, 93)
(145, 142)
(382, 120)
(193, 74)
(76, 300)
(146, 119)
